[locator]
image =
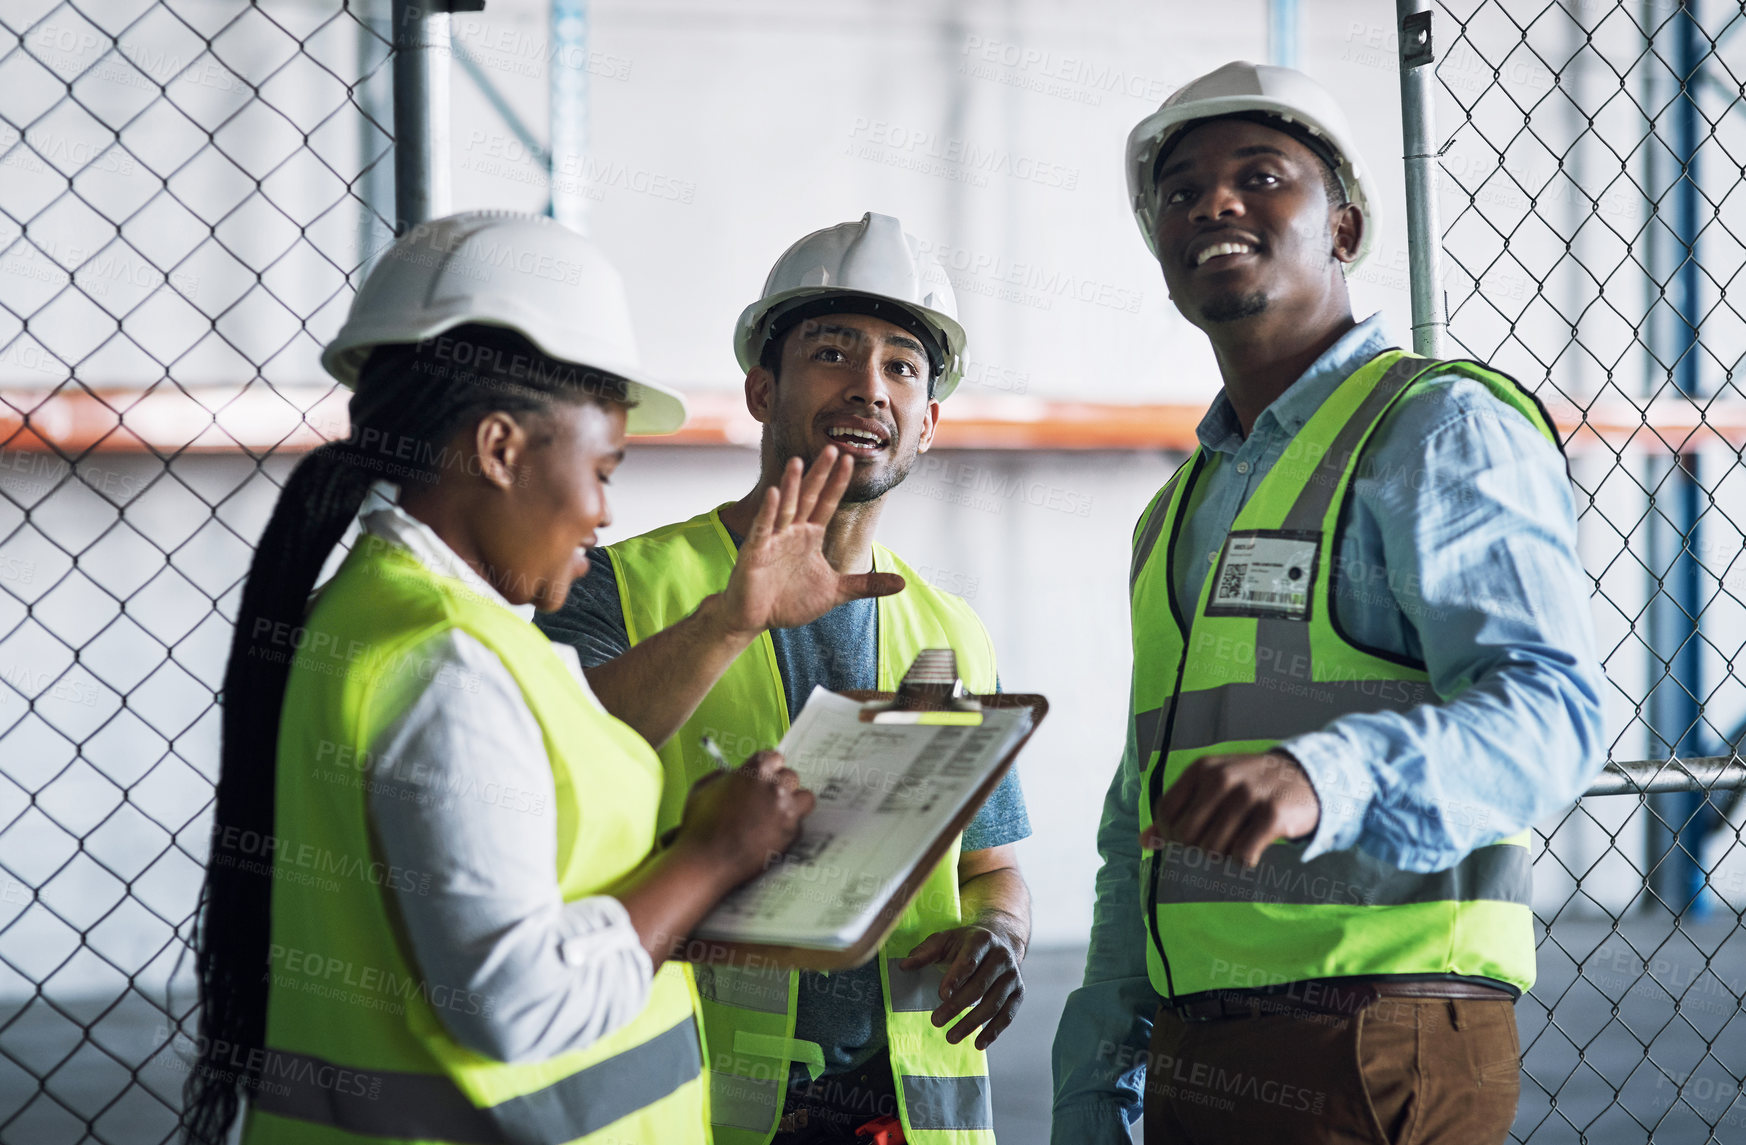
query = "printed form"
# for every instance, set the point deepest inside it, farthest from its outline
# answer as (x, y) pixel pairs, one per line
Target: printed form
(885, 793)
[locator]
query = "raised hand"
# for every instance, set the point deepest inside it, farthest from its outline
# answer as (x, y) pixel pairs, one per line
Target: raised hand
(782, 578)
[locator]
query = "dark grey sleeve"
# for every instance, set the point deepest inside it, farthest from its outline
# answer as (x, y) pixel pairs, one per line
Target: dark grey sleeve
(1003, 819)
(591, 620)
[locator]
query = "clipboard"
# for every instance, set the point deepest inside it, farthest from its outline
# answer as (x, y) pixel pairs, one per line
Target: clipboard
(932, 693)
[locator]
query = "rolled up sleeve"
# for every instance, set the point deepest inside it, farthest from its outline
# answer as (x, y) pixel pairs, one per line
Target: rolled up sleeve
(1476, 522)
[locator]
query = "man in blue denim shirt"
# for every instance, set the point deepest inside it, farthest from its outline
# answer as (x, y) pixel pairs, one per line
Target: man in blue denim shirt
(1454, 557)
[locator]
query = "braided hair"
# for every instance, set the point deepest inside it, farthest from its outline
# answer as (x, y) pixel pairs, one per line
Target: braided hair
(407, 394)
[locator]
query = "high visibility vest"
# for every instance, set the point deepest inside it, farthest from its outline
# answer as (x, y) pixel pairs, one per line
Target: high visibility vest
(1263, 659)
(355, 1047)
(749, 1012)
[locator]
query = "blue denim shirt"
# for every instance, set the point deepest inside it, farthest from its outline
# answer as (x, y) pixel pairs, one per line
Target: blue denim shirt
(1459, 549)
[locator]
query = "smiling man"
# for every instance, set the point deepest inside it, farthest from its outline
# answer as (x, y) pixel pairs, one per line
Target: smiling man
(847, 355)
(1363, 667)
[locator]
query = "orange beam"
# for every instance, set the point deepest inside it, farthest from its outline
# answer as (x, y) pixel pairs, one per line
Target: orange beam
(293, 419)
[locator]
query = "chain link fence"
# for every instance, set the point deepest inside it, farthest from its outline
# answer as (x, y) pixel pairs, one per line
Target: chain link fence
(1590, 161)
(187, 192)
(188, 189)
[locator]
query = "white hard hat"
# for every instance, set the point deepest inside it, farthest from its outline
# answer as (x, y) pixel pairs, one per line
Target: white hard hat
(873, 259)
(1242, 87)
(528, 273)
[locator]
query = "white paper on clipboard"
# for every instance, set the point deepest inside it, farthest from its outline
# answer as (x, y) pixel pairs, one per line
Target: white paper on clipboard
(885, 792)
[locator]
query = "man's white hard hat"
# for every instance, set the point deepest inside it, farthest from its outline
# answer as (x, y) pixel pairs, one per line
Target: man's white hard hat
(874, 259)
(1234, 89)
(527, 273)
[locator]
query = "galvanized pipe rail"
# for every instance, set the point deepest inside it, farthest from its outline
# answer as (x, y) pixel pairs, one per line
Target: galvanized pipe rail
(1419, 148)
(1649, 776)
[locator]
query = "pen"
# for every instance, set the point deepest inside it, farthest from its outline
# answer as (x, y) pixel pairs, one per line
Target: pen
(721, 762)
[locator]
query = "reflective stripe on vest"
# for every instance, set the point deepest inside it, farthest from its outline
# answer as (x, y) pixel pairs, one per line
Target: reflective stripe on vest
(344, 997)
(942, 1089)
(1260, 670)
(388, 1103)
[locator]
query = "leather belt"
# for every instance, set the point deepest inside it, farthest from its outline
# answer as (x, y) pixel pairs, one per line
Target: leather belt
(1344, 996)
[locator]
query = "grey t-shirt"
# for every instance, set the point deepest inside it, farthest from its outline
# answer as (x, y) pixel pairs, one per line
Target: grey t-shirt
(843, 1012)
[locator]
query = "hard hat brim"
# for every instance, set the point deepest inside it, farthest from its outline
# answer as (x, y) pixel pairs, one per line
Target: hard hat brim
(656, 408)
(754, 320)
(1151, 133)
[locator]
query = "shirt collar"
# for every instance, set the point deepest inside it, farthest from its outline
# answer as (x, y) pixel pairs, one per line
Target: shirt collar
(382, 517)
(1221, 432)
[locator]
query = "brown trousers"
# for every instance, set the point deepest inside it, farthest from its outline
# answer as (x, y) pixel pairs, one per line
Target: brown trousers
(1402, 1071)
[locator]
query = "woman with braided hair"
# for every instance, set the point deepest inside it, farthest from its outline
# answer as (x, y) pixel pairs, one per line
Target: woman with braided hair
(431, 911)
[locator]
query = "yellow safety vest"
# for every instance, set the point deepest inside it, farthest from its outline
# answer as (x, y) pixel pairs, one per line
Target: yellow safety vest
(1254, 667)
(749, 1013)
(355, 1048)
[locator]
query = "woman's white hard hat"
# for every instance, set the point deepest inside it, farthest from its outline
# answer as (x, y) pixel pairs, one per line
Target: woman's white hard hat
(527, 273)
(875, 258)
(1232, 90)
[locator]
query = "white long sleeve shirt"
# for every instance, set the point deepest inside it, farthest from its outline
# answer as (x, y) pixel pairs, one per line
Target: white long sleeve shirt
(461, 797)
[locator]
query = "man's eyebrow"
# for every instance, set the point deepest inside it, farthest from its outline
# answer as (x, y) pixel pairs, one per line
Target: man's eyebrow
(1240, 153)
(906, 342)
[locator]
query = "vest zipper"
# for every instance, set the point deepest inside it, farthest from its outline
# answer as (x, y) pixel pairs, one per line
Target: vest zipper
(1155, 788)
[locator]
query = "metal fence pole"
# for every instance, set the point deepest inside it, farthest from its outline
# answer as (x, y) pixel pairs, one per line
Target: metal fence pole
(1282, 33)
(569, 112)
(1424, 235)
(421, 111)
(1682, 880)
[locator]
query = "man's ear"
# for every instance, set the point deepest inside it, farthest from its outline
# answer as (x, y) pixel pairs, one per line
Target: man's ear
(501, 443)
(760, 393)
(930, 423)
(1347, 224)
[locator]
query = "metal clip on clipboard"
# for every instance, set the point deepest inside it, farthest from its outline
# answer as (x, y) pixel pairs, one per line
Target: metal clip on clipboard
(931, 693)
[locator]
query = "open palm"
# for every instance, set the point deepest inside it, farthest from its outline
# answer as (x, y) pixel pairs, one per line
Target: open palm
(782, 578)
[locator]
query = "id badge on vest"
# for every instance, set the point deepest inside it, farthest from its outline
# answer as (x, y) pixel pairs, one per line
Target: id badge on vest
(1265, 573)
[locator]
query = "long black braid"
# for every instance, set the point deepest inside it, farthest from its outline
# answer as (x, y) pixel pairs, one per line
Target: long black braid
(414, 395)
